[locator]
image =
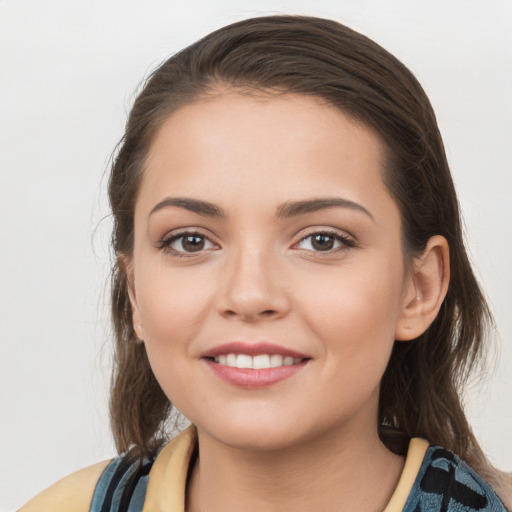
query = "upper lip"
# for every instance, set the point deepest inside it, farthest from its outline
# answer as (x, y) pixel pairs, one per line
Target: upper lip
(252, 349)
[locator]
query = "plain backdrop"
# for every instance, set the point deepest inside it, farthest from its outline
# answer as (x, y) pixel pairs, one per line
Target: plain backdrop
(68, 72)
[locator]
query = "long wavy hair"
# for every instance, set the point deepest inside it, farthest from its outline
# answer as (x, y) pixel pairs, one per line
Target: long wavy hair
(421, 389)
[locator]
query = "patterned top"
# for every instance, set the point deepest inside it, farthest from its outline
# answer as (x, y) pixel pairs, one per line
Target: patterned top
(444, 483)
(122, 486)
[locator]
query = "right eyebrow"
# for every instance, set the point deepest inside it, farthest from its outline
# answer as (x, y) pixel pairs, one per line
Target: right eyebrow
(292, 209)
(203, 208)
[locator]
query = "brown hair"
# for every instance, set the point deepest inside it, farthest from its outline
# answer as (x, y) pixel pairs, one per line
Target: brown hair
(420, 391)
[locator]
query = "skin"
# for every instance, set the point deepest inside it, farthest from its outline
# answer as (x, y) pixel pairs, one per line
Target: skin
(308, 442)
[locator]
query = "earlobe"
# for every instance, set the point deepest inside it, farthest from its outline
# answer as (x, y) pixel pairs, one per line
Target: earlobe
(425, 291)
(126, 265)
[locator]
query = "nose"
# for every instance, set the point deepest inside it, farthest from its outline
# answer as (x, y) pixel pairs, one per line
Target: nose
(253, 287)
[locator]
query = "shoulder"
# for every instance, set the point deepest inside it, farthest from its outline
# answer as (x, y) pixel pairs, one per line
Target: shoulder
(446, 483)
(122, 483)
(73, 492)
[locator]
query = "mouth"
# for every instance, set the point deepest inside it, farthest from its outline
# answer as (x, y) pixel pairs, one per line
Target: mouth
(259, 362)
(254, 365)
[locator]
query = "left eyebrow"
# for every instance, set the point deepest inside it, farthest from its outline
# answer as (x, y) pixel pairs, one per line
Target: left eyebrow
(203, 208)
(292, 209)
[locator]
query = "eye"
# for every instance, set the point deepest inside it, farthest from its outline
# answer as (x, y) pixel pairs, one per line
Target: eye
(324, 242)
(186, 243)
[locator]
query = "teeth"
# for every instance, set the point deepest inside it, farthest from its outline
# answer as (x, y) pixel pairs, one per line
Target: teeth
(243, 361)
(276, 360)
(262, 361)
(259, 362)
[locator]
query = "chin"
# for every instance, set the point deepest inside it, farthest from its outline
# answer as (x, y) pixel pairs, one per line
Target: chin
(256, 440)
(257, 434)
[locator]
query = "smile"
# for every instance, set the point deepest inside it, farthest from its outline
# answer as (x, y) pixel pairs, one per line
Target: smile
(254, 365)
(259, 362)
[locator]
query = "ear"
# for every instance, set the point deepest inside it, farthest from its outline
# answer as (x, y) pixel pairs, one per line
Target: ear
(425, 290)
(126, 265)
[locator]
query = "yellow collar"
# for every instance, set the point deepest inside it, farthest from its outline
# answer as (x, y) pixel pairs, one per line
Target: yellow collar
(415, 455)
(168, 476)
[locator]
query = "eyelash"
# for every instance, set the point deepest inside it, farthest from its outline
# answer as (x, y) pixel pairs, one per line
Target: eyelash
(166, 242)
(345, 241)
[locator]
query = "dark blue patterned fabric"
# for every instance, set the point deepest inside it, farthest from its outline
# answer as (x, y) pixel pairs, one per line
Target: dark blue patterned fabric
(122, 486)
(444, 484)
(447, 484)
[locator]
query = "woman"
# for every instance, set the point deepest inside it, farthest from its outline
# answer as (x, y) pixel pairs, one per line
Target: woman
(291, 275)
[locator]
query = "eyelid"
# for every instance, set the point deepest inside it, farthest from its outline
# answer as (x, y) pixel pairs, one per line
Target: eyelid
(164, 243)
(346, 240)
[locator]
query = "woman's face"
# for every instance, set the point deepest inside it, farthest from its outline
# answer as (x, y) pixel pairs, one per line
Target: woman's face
(265, 237)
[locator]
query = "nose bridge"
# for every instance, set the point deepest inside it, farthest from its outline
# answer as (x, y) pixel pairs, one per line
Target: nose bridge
(253, 287)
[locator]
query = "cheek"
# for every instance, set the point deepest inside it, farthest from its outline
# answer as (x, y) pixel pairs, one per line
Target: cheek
(172, 307)
(356, 323)
(358, 299)
(355, 314)
(171, 312)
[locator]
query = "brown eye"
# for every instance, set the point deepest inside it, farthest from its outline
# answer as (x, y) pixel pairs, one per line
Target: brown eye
(187, 243)
(193, 243)
(322, 242)
(325, 242)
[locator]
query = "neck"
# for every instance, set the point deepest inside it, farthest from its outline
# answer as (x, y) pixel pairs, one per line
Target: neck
(337, 471)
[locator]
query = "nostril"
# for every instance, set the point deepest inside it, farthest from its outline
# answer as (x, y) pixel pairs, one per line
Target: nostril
(267, 313)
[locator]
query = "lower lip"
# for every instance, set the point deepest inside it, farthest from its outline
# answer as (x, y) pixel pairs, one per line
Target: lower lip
(250, 379)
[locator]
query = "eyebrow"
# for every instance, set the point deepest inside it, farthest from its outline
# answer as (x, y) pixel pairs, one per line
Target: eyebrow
(286, 210)
(203, 208)
(292, 209)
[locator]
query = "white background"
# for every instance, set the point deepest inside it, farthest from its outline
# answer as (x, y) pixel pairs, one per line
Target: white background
(68, 71)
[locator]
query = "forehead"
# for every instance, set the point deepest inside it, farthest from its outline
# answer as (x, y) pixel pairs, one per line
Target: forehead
(255, 147)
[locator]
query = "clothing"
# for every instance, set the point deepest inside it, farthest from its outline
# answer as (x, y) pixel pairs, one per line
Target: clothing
(433, 480)
(445, 483)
